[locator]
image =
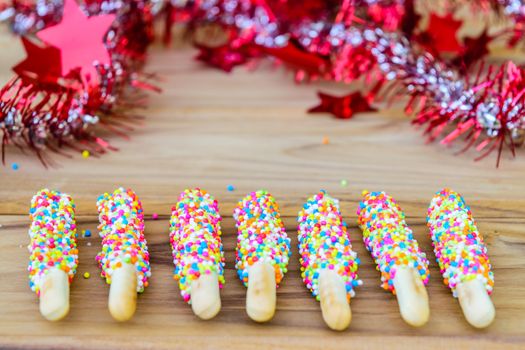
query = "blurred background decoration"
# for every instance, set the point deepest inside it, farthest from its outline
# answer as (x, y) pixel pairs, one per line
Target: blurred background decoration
(447, 60)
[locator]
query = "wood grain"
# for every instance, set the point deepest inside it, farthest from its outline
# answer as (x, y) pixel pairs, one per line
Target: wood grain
(163, 320)
(250, 130)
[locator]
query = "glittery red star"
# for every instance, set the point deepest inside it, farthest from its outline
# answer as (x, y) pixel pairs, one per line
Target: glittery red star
(223, 57)
(41, 65)
(342, 107)
(80, 40)
(441, 34)
(474, 50)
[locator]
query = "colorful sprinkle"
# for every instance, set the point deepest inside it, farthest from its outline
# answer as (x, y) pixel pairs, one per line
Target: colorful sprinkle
(388, 238)
(154, 216)
(195, 236)
(85, 154)
(87, 275)
(458, 245)
(230, 188)
(122, 230)
(260, 235)
(325, 244)
(344, 183)
(87, 233)
(14, 166)
(53, 236)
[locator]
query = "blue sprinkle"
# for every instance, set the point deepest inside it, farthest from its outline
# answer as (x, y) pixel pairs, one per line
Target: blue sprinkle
(14, 166)
(230, 188)
(87, 233)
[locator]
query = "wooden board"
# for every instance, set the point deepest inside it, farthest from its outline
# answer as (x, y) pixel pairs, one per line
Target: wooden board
(164, 320)
(250, 130)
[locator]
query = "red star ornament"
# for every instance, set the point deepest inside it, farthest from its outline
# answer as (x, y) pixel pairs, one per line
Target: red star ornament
(42, 64)
(441, 34)
(80, 40)
(474, 50)
(223, 57)
(343, 107)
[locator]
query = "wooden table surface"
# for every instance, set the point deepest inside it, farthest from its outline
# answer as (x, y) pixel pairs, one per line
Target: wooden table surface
(250, 130)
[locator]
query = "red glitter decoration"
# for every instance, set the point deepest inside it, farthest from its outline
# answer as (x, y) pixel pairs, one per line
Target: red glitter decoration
(51, 103)
(441, 34)
(223, 57)
(75, 78)
(80, 40)
(343, 107)
(42, 64)
(473, 51)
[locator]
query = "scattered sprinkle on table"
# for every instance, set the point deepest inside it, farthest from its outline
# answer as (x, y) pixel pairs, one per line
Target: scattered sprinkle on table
(87, 275)
(14, 166)
(344, 183)
(87, 233)
(88, 244)
(85, 154)
(230, 188)
(326, 140)
(154, 216)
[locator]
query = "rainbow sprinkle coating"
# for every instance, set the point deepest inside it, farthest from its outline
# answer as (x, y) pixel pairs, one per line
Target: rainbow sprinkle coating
(458, 245)
(53, 236)
(122, 230)
(261, 235)
(325, 244)
(388, 238)
(195, 236)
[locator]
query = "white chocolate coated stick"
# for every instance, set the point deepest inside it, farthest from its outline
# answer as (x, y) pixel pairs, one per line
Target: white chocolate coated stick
(54, 295)
(261, 295)
(334, 304)
(411, 296)
(122, 301)
(205, 296)
(476, 303)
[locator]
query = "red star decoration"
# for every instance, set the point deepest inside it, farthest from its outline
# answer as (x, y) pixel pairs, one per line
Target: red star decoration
(441, 34)
(80, 40)
(42, 64)
(223, 57)
(475, 49)
(342, 107)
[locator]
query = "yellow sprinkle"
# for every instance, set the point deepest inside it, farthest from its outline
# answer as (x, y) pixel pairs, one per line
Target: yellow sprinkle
(85, 154)
(86, 275)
